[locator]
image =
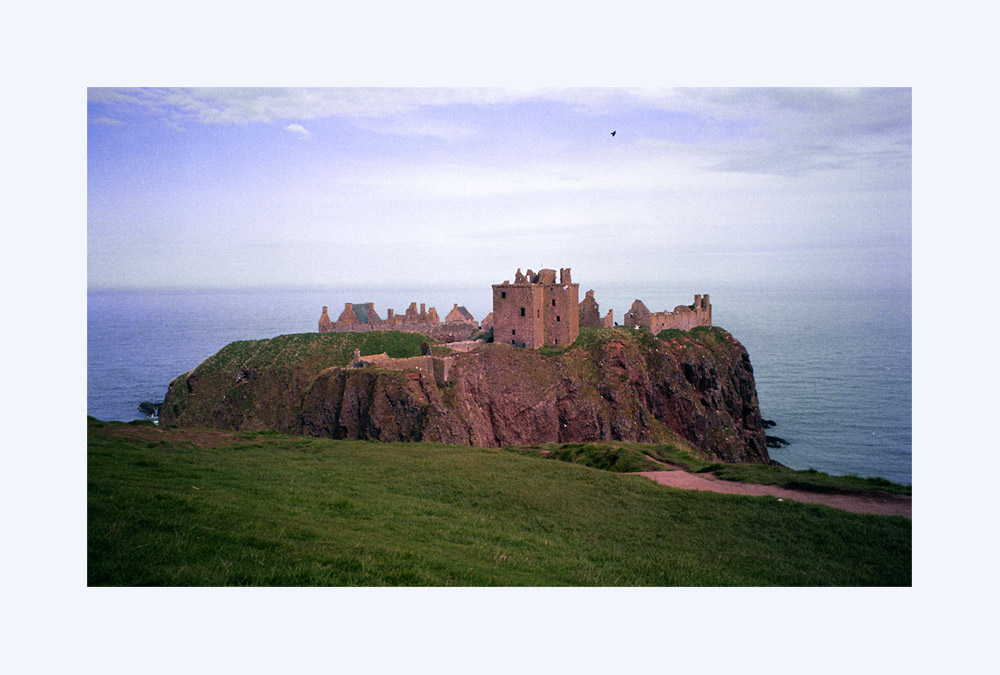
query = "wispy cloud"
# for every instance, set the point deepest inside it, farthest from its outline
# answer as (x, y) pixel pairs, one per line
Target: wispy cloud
(780, 131)
(799, 131)
(409, 125)
(297, 130)
(245, 105)
(107, 121)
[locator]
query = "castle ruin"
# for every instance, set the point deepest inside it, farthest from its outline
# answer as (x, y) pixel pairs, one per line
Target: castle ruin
(684, 317)
(437, 368)
(590, 313)
(536, 310)
(361, 317)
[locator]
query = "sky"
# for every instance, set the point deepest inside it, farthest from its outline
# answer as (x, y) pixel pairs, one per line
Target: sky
(704, 189)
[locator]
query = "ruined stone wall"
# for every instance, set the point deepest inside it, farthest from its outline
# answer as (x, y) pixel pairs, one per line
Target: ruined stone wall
(348, 316)
(446, 332)
(325, 325)
(464, 345)
(638, 316)
(414, 320)
(437, 368)
(442, 369)
(412, 315)
(371, 358)
(459, 314)
(424, 364)
(339, 327)
(684, 317)
(590, 311)
(442, 332)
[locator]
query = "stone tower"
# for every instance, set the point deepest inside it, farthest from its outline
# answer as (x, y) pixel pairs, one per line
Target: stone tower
(536, 310)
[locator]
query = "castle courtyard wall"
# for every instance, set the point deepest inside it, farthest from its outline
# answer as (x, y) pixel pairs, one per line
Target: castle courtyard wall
(590, 313)
(437, 368)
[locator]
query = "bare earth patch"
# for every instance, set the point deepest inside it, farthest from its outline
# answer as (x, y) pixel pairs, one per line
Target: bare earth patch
(880, 504)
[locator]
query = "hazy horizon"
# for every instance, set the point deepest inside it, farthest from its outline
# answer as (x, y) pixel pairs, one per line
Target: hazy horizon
(699, 190)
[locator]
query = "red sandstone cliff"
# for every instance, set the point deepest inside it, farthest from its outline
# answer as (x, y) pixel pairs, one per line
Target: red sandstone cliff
(615, 385)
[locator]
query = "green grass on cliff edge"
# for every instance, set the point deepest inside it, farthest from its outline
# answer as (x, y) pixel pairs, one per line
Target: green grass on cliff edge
(709, 336)
(314, 350)
(631, 457)
(592, 336)
(808, 479)
(193, 507)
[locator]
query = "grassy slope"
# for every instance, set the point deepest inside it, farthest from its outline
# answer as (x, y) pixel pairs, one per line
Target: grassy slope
(631, 457)
(314, 351)
(282, 510)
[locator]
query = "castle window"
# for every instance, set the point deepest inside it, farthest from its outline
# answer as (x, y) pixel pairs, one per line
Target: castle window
(522, 311)
(513, 331)
(557, 318)
(503, 294)
(553, 302)
(538, 313)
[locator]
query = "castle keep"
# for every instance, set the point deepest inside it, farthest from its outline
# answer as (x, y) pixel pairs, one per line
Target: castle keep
(536, 310)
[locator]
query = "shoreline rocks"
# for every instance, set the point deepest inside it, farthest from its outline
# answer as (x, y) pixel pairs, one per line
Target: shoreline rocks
(150, 409)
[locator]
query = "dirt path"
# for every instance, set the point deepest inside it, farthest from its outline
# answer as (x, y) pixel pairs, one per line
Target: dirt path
(881, 504)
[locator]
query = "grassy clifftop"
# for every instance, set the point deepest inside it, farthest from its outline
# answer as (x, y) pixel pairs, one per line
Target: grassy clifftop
(611, 384)
(259, 384)
(311, 351)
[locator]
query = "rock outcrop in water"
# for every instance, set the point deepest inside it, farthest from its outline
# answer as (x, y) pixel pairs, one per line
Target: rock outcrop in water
(149, 408)
(612, 384)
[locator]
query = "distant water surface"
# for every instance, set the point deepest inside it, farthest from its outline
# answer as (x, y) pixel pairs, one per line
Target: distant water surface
(833, 369)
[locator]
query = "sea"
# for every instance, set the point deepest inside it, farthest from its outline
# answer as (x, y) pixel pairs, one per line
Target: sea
(833, 368)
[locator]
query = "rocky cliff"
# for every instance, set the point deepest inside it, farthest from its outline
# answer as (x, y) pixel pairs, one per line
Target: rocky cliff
(612, 384)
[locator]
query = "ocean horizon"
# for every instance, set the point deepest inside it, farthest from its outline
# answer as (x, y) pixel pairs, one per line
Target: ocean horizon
(833, 368)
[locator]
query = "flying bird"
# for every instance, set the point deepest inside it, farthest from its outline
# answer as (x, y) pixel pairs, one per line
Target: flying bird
(614, 132)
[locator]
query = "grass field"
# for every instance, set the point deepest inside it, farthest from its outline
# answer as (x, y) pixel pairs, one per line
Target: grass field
(190, 507)
(630, 457)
